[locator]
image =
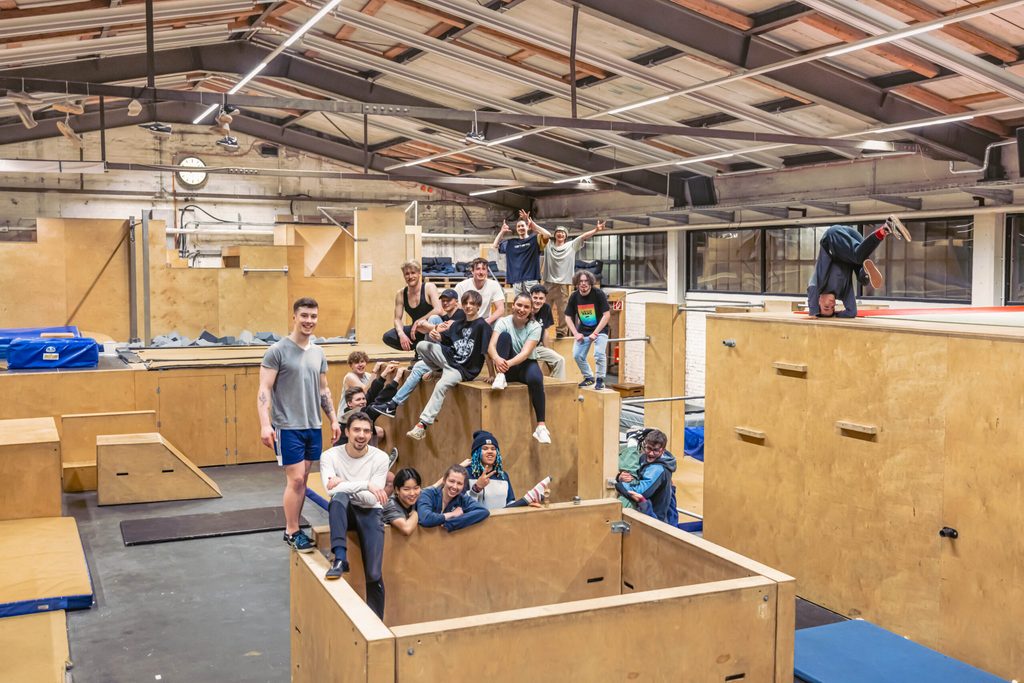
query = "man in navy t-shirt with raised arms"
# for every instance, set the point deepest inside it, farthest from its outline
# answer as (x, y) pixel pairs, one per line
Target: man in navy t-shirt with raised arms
(522, 254)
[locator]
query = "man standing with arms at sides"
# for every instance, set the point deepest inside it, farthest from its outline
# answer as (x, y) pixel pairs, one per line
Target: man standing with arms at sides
(419, 301)
(560, 265)
(293, 390)
(522, 256)
(491, 293)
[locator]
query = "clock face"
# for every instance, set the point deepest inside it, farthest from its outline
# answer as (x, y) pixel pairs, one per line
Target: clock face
(191, 172)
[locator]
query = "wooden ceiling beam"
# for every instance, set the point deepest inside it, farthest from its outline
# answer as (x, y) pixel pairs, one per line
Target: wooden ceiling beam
(979, 98)
(719, 13)
(371, 8)
(999, 49)
(894, 54)
(944, 106)
(431, 13)
(581, 67)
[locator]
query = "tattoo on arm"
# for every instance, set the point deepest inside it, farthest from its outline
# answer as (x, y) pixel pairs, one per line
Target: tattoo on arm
(263, 398)
(327, 403)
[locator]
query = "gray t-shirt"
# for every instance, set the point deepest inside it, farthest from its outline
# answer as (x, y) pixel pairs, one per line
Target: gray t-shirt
(394, 510)
(295, 401)
(560, 262)
(531, 330)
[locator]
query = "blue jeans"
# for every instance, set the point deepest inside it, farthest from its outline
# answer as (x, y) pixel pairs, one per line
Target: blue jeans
(369, 526)
(580, 349)
(415, 375)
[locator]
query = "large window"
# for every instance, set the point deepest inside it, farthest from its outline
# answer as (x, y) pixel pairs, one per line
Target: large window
(637, 261)
(1015, 262)
(935, 266)
(726, 261)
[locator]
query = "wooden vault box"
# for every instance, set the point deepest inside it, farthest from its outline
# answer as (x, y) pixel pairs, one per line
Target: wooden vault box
(553, 594)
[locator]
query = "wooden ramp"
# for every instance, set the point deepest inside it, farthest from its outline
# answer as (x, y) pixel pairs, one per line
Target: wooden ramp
(146, 468)
(41, 644)
(78, 442)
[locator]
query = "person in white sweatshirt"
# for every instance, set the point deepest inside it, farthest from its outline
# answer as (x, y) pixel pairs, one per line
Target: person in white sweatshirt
(354, 476)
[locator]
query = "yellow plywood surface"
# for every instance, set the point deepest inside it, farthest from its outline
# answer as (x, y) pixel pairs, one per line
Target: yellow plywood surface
(146, 468)
(193, 415)
(36, 271)
(665, 371)
(41, 558)
(79, 476)
(383, 251)
(855, 516)
(717, 632)
(79, 431)
(35, 647)
(334, 635)
(96, 275)
(598, 444)
(522, 550)
(30, 468)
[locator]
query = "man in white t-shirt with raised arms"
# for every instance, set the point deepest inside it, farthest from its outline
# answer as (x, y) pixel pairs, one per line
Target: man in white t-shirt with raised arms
(489, 290)
(560, 266)
(354, 476)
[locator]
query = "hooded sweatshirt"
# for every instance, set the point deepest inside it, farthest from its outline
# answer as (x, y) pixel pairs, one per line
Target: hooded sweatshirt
(653, 481)
(429, 509)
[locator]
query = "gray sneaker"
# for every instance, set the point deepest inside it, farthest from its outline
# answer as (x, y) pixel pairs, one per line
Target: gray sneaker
(392, 458)
(419, 432)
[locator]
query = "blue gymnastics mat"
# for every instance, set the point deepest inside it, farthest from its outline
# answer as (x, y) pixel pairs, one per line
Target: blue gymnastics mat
(858, 652)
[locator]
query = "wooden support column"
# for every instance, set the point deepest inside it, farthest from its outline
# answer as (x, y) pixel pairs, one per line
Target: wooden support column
(381, 248)
(665, 371)
(598, 444)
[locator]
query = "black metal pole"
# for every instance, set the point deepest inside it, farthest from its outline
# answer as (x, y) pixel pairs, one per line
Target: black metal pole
(572, 58)
(103, 130)
(150, 48)
(366, 144)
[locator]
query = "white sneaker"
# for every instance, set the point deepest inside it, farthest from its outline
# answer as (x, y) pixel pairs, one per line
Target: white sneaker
(541, 433)
(419, 432)
(499, 381)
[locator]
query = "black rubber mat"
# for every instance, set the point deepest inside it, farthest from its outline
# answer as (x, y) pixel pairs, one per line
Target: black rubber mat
(808, 614)
(189, 527)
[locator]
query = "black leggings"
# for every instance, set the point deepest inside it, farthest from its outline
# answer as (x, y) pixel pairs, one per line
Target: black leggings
(527, 372)
(391, 339)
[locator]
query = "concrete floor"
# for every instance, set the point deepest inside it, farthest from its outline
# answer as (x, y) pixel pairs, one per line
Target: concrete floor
(191, 611)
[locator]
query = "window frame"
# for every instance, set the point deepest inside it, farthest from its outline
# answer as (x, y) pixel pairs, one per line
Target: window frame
(620, 262)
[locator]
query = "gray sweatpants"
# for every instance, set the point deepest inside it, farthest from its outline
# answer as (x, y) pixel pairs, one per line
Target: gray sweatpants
(432, 354)
(553, 360)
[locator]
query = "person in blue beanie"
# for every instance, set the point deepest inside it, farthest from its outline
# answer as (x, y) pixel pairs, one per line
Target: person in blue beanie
(489, 483)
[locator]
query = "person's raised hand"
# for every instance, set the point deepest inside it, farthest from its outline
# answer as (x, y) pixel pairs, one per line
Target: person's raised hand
(483, 481)
(524, 215)
(600, 226)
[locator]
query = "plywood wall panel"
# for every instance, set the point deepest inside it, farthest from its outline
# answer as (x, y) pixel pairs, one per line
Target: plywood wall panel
(32, 279)
(96, 276)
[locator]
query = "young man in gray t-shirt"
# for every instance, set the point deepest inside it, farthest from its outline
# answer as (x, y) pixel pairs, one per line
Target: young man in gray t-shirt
(560, 266)
(293, 391)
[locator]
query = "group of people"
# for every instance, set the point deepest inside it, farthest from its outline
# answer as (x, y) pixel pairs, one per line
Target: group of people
(458, 332)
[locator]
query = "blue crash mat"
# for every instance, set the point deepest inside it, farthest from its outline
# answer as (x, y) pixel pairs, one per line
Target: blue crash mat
(858, 651)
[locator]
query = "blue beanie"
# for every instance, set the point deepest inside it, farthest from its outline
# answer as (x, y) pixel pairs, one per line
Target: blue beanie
(482, 438)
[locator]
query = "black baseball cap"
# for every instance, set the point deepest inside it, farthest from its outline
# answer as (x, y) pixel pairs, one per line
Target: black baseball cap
(449, 294)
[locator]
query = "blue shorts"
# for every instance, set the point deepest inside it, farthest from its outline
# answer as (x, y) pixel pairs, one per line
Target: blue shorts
(292, 446)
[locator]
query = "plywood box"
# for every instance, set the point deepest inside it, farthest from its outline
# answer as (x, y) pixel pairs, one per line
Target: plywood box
(78, 442)
(29, 468)
(554, 594)
(146, 468)
(876, 434)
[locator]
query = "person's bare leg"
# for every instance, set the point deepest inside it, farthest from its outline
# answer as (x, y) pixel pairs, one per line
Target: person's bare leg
(295, 494)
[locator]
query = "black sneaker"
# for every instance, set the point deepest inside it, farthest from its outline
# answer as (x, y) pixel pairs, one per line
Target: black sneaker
(587, 382)
(386, 409)
(599, 385)
(301, 543)
(392, 458)
(157, 128)
(338, 567)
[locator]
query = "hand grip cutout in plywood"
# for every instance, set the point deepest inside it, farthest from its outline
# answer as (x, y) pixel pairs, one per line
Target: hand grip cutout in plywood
(750, 434)
(787, 369)
(857, 430)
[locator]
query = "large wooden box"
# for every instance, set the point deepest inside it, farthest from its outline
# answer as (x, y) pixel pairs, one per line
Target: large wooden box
(837, 451)
(555, 594)
(30, 468)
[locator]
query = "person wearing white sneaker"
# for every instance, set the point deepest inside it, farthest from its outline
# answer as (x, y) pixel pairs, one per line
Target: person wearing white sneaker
(513, 356)
(456, 354)
(844, 255)
(489, 483)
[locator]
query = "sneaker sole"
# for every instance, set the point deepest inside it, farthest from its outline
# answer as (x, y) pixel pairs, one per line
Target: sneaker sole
(900, 228)
(328, 577)
(303, 550)
(874, 274)
(417, 437)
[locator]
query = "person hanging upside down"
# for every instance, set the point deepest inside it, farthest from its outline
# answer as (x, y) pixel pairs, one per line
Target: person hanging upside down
(844, 255)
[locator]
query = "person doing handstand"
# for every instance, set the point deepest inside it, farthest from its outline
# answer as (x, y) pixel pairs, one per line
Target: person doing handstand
(843, 255)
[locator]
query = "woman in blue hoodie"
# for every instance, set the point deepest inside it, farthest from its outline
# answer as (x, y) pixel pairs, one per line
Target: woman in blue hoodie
(446, 504)
(489, 483)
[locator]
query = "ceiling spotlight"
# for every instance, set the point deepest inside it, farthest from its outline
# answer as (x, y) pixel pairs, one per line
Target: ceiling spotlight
(25, 114)
(69, 107)
(134, 108)
(67, 131)
(158, 129)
